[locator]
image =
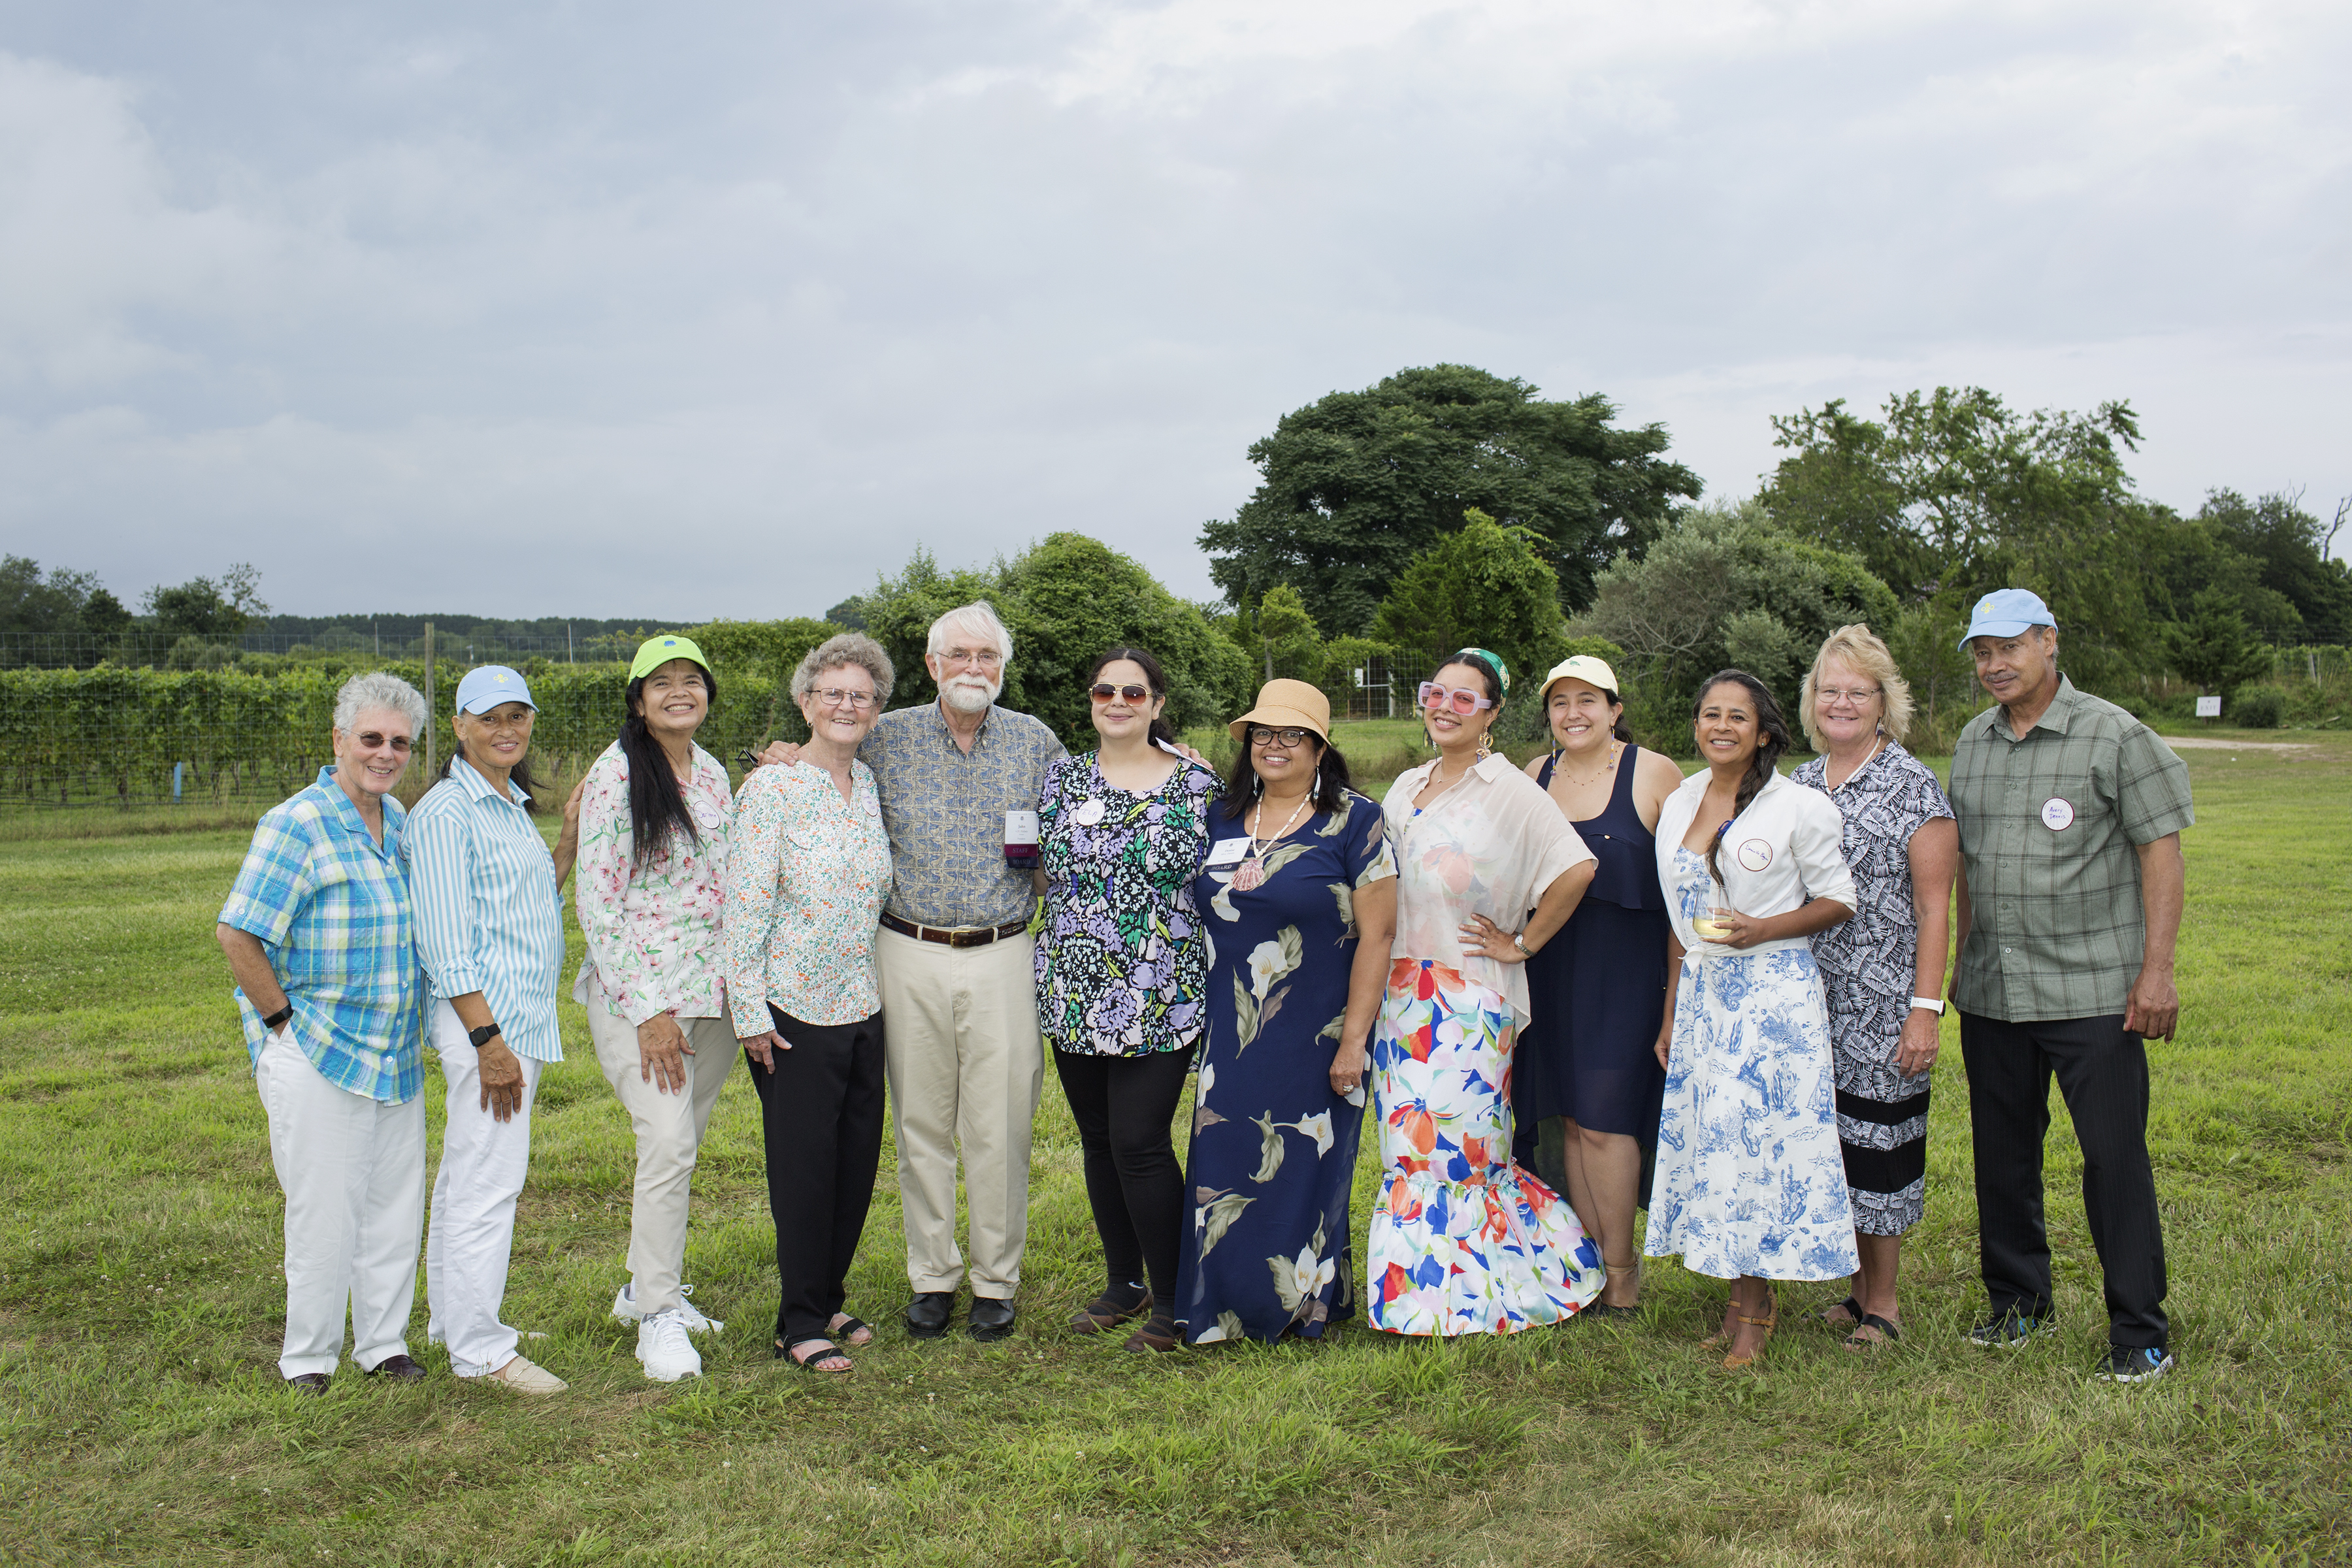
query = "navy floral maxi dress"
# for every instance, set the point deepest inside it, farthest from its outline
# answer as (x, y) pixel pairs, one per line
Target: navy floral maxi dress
(1273, 1147)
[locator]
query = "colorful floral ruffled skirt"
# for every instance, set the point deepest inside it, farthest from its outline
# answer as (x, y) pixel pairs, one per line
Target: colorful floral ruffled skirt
(1463, 1241)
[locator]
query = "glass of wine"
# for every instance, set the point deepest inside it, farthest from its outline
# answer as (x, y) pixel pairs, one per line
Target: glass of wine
(1714, 925)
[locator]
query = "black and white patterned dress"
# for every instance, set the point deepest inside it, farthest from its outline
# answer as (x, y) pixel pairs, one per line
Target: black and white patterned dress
(1868, 966)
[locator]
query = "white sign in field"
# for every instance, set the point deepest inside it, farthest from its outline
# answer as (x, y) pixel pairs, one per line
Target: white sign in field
(2208, 707)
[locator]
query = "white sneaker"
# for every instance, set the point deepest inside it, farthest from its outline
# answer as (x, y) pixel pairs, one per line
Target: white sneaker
(664, 1350)
(526, 1376)
(624, 1310)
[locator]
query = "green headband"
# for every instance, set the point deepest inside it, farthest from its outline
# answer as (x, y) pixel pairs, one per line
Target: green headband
(655, 652)
(1502, 670)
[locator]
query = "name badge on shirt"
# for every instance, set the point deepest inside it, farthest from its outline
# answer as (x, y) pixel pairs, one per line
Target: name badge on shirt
(2057, 813)
(1228, 851)
(1755, 854)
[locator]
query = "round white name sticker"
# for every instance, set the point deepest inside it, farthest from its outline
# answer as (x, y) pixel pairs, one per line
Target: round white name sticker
(1090, 812)
(1755, 854)
(2057, 816)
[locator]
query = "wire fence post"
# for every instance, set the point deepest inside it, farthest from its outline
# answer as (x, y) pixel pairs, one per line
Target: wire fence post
(432, 731)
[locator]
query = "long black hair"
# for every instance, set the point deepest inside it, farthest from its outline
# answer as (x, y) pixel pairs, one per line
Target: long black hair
(1244, 786)
(1771, 742)
(520, 775)
(1153, 675)
(657, 810)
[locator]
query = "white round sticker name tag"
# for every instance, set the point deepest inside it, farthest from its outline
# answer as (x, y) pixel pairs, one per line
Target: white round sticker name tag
(1755, 854)
(2057, 813)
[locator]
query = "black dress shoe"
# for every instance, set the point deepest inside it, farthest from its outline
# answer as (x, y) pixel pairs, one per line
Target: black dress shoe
(400, 1367)
(928, 1313)
(310, 1385)
(988, 1319)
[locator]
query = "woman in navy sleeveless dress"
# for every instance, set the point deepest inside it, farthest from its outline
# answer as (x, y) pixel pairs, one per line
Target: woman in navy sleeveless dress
(1598, 989)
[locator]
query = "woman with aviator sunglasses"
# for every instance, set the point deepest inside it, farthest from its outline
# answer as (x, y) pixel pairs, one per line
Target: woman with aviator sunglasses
(1463, 1241)
(1122, 971)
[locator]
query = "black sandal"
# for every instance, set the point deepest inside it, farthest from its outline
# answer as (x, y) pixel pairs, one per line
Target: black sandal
(1854, 1341)
(1103, 1314)
(832, 1351)
(849, 1328)
(1853, 1309)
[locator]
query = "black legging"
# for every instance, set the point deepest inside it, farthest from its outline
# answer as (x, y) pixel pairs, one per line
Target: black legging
(1123, 1105)
(820, 1110)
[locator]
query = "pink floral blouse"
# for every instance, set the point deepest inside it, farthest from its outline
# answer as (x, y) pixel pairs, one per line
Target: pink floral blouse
(807, 875)
(652, 931)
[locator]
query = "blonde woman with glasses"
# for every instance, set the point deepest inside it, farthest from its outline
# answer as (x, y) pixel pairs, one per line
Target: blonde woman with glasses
(1882, 971)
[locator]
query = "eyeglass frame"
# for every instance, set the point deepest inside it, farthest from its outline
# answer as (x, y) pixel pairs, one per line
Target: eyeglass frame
(1104, 691)
(839, 696)
(1827, 695)
(1290, 737)
(1452, 698)
(977, 657)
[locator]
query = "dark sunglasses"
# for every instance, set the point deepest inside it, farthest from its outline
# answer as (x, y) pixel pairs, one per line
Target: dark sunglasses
(372, 739)
(1104, 691)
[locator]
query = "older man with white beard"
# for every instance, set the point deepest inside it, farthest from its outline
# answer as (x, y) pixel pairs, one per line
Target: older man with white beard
(960, 780)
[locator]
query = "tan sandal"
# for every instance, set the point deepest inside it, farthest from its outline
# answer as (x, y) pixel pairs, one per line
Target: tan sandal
(1733, 1362)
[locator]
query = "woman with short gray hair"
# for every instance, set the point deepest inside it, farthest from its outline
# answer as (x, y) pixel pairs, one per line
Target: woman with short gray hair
(321, 935)
(808, 868)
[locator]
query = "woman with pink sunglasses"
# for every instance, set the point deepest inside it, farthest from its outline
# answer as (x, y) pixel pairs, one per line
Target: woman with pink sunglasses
(1463, 1241)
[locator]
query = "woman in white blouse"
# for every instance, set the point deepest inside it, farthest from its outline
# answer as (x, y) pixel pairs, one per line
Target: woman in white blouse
(1750, 1181)
(808, 868)
(1463, 1241)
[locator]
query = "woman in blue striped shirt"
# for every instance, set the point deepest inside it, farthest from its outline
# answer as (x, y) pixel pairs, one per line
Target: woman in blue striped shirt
(489, 929)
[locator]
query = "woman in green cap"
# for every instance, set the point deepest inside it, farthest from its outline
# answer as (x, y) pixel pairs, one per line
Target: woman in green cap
(654, 815)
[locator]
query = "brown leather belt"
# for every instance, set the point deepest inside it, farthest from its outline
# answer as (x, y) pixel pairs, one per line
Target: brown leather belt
(963, 936)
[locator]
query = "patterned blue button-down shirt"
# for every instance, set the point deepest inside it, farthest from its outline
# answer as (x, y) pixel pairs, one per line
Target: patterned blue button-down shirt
(945, 812)
(331, 908)
(488, 917)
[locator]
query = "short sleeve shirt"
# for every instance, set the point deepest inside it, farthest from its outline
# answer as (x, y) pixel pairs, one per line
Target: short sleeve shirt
(2051, 823)
(944, 809)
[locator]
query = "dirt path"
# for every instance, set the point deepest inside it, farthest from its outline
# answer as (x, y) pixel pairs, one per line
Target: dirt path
(2204, 743)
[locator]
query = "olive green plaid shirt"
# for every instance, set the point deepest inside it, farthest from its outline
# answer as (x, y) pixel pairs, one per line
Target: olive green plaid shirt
(2050, 825)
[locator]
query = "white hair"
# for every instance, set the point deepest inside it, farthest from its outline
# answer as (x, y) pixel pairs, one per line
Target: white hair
(378, 690)
(850, 650)
(979, 616)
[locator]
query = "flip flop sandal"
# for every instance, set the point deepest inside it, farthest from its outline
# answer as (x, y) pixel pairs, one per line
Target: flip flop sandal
(1850, 1305)
(809, 1363)
(849, 1328)
(1889, 1334)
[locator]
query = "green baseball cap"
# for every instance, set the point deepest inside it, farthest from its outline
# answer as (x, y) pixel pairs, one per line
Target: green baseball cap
(655, 652)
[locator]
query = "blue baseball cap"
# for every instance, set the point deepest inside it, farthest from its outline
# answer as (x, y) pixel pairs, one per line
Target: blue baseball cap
(2006, 613)
(488, 685)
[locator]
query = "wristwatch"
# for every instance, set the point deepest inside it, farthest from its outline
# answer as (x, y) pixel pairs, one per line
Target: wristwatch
(483, 1036)
(277, 1021)
(1519, 941)
(1933, 1004)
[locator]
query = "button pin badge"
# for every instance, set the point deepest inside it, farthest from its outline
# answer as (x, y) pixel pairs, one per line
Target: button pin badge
(2057, 813)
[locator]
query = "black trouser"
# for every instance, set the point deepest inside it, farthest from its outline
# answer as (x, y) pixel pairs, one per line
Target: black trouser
(1123, 1105)
(2102, 1073)
(822, 1112)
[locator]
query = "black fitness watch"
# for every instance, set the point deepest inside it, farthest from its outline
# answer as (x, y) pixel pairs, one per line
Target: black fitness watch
(483, 1036)
(277, 1021)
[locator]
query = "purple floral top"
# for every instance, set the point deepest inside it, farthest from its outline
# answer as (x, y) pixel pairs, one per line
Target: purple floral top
(1122, 968)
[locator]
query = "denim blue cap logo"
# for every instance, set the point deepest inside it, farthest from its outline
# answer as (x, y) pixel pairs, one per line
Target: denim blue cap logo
(2006, 613)
(485, 688)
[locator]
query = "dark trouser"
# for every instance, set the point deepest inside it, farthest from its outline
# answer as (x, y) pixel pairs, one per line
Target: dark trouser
(1123, 1105)
(821, 1113)
(2102, 1073)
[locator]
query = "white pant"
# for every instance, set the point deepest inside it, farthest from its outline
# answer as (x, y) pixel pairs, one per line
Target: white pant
(965, 1066)
(353, 1170)
(670, 1127)
(483, 1162)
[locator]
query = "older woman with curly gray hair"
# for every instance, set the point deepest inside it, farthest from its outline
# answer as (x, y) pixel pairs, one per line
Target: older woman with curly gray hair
(808, 869)
(321, 934)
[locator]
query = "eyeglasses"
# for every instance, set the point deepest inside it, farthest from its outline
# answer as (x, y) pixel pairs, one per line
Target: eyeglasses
(1104, 691)
(836, 696)
(372, 739)
(1831, 695)
(1289, 738)
(983, 659)
(1461, 699)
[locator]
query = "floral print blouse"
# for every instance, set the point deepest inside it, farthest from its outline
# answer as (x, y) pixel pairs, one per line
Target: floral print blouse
(807, 875)
(1122, 968)
(652, 931)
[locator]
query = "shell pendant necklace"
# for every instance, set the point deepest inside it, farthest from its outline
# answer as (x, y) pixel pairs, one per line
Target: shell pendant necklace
(1251, 872)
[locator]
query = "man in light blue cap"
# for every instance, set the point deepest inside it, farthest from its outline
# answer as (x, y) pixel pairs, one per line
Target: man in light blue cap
(490, 932)
(2069, 904)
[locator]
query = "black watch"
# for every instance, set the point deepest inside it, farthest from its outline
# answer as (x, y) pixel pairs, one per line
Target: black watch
(276, 1020)
(483, 1036)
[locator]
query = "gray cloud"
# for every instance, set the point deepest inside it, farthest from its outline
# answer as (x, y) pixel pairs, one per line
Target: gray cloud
(721, 309)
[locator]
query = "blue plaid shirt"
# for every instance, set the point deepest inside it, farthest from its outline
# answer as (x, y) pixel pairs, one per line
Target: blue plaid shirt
(488, 917)
(944, 810)
(332, 911)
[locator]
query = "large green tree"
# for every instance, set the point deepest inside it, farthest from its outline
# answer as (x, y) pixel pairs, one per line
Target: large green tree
(1356, 484)
(2289, 547)
(1065, 599)
(205, 607)
(1483, 585)
(55, 600)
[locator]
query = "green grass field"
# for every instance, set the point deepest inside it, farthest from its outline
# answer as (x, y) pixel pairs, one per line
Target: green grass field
(142, 1419)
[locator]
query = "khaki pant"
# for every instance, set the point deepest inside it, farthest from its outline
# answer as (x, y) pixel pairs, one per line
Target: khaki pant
(669, 1128)
(965, 1067)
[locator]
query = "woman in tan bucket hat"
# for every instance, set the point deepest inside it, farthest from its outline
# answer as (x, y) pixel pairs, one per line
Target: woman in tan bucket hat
(1300, 899)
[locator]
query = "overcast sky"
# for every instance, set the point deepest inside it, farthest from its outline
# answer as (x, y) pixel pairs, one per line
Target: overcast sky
(717, 308)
